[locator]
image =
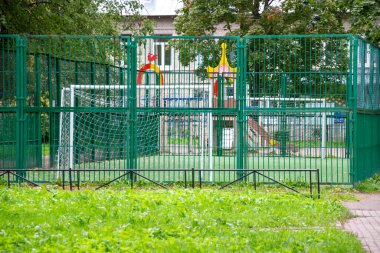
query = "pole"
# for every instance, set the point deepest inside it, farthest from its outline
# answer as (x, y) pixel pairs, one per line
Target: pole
(71, 135)
(91, 128)
(354, 136)
(210, 132)
(324, 123)
(37, 103)
(51, 126)
(20, 102)
(219, 134)
(283, 133)
(202, 141)
(240, 107)
(56, 103)
(132, 106)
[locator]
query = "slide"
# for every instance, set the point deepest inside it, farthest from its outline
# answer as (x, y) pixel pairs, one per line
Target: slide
(257, 136)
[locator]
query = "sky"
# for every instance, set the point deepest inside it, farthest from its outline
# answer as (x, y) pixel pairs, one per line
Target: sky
(168, 7)
(160, 7)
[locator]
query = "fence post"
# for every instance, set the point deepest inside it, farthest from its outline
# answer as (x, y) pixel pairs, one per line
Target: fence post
(121, 151)
(132, 105)
(348, 121)
(51, 131)
(92, 130)
(192, 178)
(76, 73)
(283, 134)
(107, 80)
(353, 99)
(219, 126)
(37, 103)
(240, 104)
(57, 103)
(127, 56)
(20, 103)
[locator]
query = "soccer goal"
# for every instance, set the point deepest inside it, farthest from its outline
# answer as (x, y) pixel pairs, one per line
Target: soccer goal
(95, 133)
(95, 129)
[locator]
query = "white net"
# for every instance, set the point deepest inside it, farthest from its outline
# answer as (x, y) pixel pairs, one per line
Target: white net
(96, 134)
(97, 131)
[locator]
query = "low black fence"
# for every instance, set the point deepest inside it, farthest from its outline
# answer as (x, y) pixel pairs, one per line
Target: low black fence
(189, 177)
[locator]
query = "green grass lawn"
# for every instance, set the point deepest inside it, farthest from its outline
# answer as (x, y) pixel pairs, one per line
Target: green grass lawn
(121, 220)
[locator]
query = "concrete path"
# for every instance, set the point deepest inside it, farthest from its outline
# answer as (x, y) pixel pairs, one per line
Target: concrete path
(366, 221)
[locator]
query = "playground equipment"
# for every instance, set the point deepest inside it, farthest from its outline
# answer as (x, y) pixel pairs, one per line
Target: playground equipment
(258, 136)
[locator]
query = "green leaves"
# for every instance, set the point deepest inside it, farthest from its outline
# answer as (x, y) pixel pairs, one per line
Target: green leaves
(169, 221)
(241, 17)
(369, 185)
(364, 18)
(72, 17)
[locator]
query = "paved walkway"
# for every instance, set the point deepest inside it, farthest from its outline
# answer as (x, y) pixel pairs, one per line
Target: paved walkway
(366, 221)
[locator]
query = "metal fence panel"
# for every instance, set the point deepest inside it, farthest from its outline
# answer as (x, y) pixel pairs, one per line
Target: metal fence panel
(159, 103)
(297, 105)
(367, 119)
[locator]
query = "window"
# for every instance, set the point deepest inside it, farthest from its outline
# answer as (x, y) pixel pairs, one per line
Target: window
(229, 91)
(163, 51)
(200, 93)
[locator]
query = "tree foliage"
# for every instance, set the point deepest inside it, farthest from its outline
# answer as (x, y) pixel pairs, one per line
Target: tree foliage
(71, 16)
(242, 17)
(199, 17)
(364, 18)
(271, 60)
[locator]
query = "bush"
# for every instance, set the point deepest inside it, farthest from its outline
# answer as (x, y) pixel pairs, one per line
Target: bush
(277, 135)
(369, 185)
(317, 134)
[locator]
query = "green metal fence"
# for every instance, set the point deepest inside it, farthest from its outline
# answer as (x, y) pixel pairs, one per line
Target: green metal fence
(366, 109)
(162, 103)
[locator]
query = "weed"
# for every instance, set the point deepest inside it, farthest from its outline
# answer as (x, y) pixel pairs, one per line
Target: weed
(207, 220)
(369, 185)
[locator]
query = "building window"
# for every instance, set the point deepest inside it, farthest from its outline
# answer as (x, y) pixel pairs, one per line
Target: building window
(230, 92)
(163, 51)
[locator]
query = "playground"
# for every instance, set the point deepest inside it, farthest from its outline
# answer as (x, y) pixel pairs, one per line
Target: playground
(151, 103)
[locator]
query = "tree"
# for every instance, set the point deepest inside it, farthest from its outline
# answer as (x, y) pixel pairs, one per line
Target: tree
(71, 16)
(64, 54)
(270, 60)
(199, 17)
(364, 18)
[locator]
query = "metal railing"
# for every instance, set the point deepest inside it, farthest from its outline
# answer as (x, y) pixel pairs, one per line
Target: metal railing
(133, 174)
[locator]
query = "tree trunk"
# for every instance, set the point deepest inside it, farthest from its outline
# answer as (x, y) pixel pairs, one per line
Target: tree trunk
(266, 4)
(256, 9)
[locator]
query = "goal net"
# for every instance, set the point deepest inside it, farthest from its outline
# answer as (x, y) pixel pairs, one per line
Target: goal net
(99, 132)
(94, 126)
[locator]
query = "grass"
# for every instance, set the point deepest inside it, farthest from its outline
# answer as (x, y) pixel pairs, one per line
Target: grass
(120, 220)
(369, 185)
